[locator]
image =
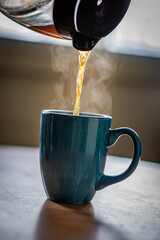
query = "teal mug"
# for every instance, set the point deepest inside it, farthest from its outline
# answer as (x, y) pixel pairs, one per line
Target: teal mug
(73, 152)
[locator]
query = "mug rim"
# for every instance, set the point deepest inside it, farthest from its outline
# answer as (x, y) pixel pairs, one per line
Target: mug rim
(70, 114)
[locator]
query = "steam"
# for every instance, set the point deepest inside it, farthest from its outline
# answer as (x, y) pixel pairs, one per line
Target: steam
(99, 71)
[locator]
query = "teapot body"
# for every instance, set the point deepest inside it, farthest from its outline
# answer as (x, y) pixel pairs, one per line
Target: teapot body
(36, 15)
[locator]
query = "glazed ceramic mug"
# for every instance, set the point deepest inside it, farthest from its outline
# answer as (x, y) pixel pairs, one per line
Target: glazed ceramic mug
(73, 152)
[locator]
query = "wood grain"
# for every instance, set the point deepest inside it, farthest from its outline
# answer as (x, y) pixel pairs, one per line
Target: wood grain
(125, 211)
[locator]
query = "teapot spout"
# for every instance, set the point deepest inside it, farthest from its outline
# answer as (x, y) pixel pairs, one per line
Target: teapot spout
(82, 42)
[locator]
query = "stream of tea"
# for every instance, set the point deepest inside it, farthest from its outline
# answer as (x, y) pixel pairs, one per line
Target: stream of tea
(83, 56)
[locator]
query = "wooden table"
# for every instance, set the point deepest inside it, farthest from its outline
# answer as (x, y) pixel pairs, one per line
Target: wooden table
(129, 210)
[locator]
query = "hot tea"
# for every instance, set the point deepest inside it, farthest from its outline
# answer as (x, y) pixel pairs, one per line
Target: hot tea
(83, 56)
(48, 30)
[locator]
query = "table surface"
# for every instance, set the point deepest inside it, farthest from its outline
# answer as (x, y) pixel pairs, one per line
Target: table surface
(124, 211)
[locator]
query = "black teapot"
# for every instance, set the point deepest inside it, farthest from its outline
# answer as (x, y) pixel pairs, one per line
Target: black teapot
(87, 21)
(84, 22)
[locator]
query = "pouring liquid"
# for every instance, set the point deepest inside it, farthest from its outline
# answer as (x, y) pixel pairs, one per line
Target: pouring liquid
(83, 56)
(50, 30)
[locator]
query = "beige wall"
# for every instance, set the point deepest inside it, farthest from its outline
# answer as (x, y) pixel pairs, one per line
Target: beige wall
(28, 85)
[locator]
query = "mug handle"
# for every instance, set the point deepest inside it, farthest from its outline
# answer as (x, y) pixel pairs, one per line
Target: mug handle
(111, 137)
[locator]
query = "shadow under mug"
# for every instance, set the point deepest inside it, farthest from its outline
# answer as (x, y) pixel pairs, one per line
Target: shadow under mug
(73, 152)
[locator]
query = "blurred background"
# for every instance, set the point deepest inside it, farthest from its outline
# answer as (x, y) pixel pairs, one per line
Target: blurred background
(122, 79)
